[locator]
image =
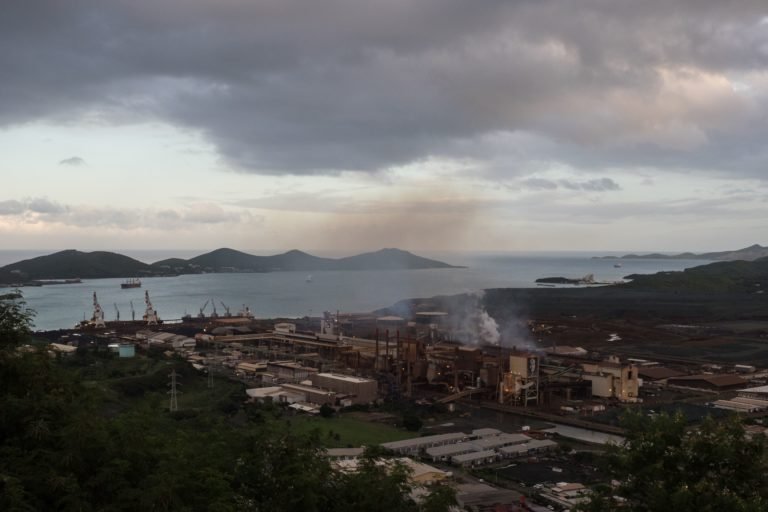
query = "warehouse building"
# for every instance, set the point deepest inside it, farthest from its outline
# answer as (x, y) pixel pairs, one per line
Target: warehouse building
(748, 400)
(418, 473)
(475, 458)
(658, 374)
(355, 389)
(311, 394)
(274, 394)
(479, 433)
(448, 452)
(444, 453)
(500, 441)
(290, 371)
(711, 382)
(415, 445)
(532, 447)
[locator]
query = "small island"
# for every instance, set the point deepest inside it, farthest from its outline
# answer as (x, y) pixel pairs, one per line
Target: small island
(586, 280)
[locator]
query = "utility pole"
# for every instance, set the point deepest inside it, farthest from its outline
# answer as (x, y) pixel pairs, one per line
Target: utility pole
(174, 404)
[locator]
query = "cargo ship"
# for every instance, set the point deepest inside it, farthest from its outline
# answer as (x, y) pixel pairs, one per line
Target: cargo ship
(131, 283)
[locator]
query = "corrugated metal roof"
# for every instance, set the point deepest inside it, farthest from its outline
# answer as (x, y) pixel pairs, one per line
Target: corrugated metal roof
(469, 457)
(424, 441)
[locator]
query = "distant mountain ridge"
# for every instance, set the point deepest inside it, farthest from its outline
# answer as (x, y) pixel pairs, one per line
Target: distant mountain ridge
(751, 253)
(70, 264)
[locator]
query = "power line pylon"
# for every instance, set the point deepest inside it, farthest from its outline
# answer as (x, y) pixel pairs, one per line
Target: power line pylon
(174, 404)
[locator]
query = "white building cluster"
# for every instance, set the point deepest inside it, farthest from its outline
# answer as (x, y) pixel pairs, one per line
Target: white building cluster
(483, 446)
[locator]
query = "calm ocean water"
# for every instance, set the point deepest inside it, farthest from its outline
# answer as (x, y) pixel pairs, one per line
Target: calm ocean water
(289, 294)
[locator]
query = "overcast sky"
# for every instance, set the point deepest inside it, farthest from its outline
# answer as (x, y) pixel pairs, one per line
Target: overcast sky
(350, 125)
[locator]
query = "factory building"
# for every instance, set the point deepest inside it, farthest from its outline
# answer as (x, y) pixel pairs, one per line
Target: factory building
(658, 374)
(290, 371)
(292, 393)
(747, 400)
(312, 394)
(721, 382)
(612, 379)
(354, 389)
(274, 394)
(167, 339)
(521, 384)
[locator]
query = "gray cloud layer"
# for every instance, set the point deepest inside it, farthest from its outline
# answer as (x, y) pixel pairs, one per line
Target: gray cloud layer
(41, 209)
(594, 185)
(314, 87)
(74, 161)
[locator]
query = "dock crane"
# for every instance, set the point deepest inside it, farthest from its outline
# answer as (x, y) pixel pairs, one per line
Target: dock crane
(201, 314)
(150, 316)
(117, 311)
(226, 309)
(98, 314)
(214, 314)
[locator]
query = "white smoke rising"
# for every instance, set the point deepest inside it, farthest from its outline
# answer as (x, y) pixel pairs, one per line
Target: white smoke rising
(474, 325)
(488, 329)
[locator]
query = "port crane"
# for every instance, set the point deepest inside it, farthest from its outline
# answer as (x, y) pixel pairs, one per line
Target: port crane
(117, 311)
(214, 314)
(201, 314)
(150, 316)
(226, 309)
(98, 314)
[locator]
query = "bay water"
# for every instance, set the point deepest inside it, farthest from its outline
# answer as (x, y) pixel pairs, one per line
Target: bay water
(292, 294)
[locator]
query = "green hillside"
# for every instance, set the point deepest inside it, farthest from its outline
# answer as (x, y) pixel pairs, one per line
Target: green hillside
(722, 276)
(72, 264)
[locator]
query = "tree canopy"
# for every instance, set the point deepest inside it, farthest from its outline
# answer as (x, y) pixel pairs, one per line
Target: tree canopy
(667, 466)
(15, 319)
(67, 443)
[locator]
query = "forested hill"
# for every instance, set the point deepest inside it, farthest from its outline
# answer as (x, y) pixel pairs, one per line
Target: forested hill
(724, 276)
(232, 260)
(72, 264)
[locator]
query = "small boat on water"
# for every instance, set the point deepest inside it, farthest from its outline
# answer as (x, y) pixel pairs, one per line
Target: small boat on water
(617, 265)
(309, 278)
(134, 282)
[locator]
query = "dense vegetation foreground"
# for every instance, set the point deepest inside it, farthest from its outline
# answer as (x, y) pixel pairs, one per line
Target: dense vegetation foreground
(73, 438)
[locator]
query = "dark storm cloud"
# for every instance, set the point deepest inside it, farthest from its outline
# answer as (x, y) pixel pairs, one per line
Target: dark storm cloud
(316, 87)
